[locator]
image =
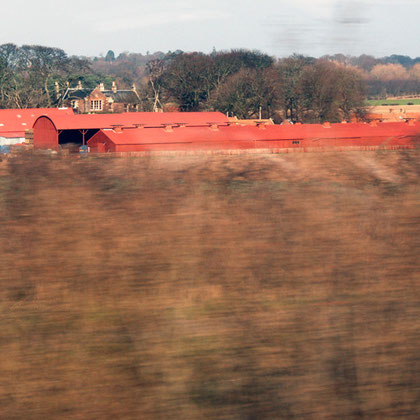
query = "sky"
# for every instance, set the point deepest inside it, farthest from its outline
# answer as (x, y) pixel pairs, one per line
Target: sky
(276, 27)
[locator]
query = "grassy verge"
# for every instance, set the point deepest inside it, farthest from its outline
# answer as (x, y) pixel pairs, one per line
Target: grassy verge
(266, 286)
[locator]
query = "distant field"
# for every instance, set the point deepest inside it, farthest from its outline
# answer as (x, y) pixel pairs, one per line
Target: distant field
(390, 102)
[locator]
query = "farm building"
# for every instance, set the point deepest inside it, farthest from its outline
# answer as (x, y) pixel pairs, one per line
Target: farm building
(50, 132)
(139, 132)
(213, 137)
(101, 100)
(14, 123)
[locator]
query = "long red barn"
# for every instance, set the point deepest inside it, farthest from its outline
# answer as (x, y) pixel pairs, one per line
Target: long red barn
(143, 132)
(224, 137)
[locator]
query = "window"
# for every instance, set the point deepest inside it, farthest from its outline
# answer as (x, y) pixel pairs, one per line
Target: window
(74, 104)
(295, 142)
(96, 105)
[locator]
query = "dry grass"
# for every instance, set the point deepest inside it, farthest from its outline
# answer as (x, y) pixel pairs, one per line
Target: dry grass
(234, 287)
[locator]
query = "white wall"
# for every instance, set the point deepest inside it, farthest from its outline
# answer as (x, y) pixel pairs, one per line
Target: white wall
(6, 141)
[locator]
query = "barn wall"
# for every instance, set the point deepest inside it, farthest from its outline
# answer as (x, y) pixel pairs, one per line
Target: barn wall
(45, 134)
(100, 143)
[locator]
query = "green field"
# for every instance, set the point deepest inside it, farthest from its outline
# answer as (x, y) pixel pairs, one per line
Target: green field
(379, 102)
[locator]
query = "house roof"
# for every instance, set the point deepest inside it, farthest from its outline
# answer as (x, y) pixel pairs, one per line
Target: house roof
(120, 96)
(14, 122)
(77, 93)
(98, 121)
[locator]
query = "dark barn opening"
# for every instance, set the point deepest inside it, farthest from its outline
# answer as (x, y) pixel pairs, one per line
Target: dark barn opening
(67, 137)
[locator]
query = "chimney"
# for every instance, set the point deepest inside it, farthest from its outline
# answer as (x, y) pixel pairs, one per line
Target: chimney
(114, 87)
(101, 87)
(79, 85)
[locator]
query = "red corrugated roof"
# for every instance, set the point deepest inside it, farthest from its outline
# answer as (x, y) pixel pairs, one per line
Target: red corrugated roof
(232, 134)
(97, 121)
(145, 136)
(18, 120)
(350, 130)
(12, 134)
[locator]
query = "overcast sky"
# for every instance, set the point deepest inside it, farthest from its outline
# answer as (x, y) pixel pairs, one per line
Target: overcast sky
(277, 27)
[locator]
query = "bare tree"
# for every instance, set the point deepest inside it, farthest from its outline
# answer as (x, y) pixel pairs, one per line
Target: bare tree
(248, 94)
(155, 70)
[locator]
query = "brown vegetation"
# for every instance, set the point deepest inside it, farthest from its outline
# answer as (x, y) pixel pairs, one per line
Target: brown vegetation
(267, 286)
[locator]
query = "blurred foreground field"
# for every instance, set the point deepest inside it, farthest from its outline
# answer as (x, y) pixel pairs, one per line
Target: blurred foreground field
(229, 287)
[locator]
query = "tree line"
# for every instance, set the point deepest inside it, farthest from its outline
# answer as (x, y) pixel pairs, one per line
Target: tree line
(29, 74)
(248, 84)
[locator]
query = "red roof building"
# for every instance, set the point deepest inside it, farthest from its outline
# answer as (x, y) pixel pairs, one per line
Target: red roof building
(15, 122)
(215, 137)
(52, 131)
(183, 131)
